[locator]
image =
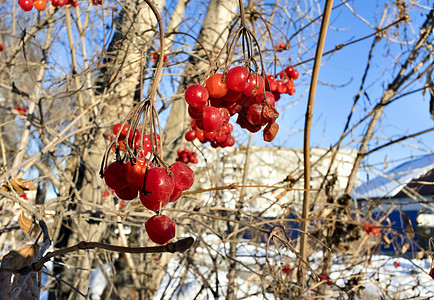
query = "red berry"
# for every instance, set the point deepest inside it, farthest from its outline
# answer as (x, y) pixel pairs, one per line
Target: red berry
(195, 113)
(215, 86)
(270, 132)
(200, 136)
(294, 74)
(1, 47)
(26, 5)
(126, 193)
(152, 205)
(230, 141)
(232, 96)
(160, 229)
(196, 96)
(135, 173)
(212, 118)
(114, 176)
(190, 135)
(159, 185)
(236, 78)
(40, 5)
(254, 114)
(431, 273)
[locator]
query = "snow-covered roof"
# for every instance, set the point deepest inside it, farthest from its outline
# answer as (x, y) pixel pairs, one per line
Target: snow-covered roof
(390, 183)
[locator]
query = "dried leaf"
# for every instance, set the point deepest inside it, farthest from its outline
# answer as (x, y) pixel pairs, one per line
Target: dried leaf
(24, 222)
(405, 248)
(409, 229)
(17, 259)
(19, 185)
(386, 241)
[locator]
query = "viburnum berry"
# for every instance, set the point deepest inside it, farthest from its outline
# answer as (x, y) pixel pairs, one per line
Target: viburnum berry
(114, 176)
(196, 96)
(135, 172)
(26, 5)
(160, 229)
(270, 131)
(1, 47)
(152, 205)
(254, 85)
(431, 273)
(126, 193)
(190, 135)
(40, 5)
(326, 278)
(159, 185)
(212, 118)
(215, 86)
(236, 78)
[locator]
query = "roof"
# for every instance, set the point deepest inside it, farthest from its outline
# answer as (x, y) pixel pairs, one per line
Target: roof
(411, 174)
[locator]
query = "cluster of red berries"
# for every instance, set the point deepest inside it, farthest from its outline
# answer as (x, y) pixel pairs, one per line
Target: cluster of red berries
(145, 139)
(186, 156)
(27, 5)
(20, 109)
(242, 93)
(280, 47)
(165, 58)
(396, 264)
(156, 187)
(222, 138)
(284, 85)
(326, 278)
(370, 229)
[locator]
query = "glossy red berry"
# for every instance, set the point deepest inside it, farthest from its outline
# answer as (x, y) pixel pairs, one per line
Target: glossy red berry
(236, 78)
(40, 5)
(159, 185)
(1, 47)
(183, 176)
(216, 87)
(196, 96)
(126, 193)
(114, 176)
(160, 229)
(212, 118)
(135, 173)
(26, 5)
(152, 205)
(190, 135)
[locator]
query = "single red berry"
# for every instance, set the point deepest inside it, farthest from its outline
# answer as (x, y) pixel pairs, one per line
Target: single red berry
(232, 96)
(195, 113)
(215, 86)
(159, 185)
(196, 96)
(431, 273)
(254, 85)
(294, 74)
(270, 132)
(126, 193)
(1, 47)
(114, 176)
(236, 78)
(254, 114)
(40, 5)
(135, 173)
(152, 205)
(190, 135)
(160, 229)
(230, 141)
(26, 5)
(212, 118)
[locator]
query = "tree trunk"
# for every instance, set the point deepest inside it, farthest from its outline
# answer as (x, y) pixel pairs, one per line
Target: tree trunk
(119, 84)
